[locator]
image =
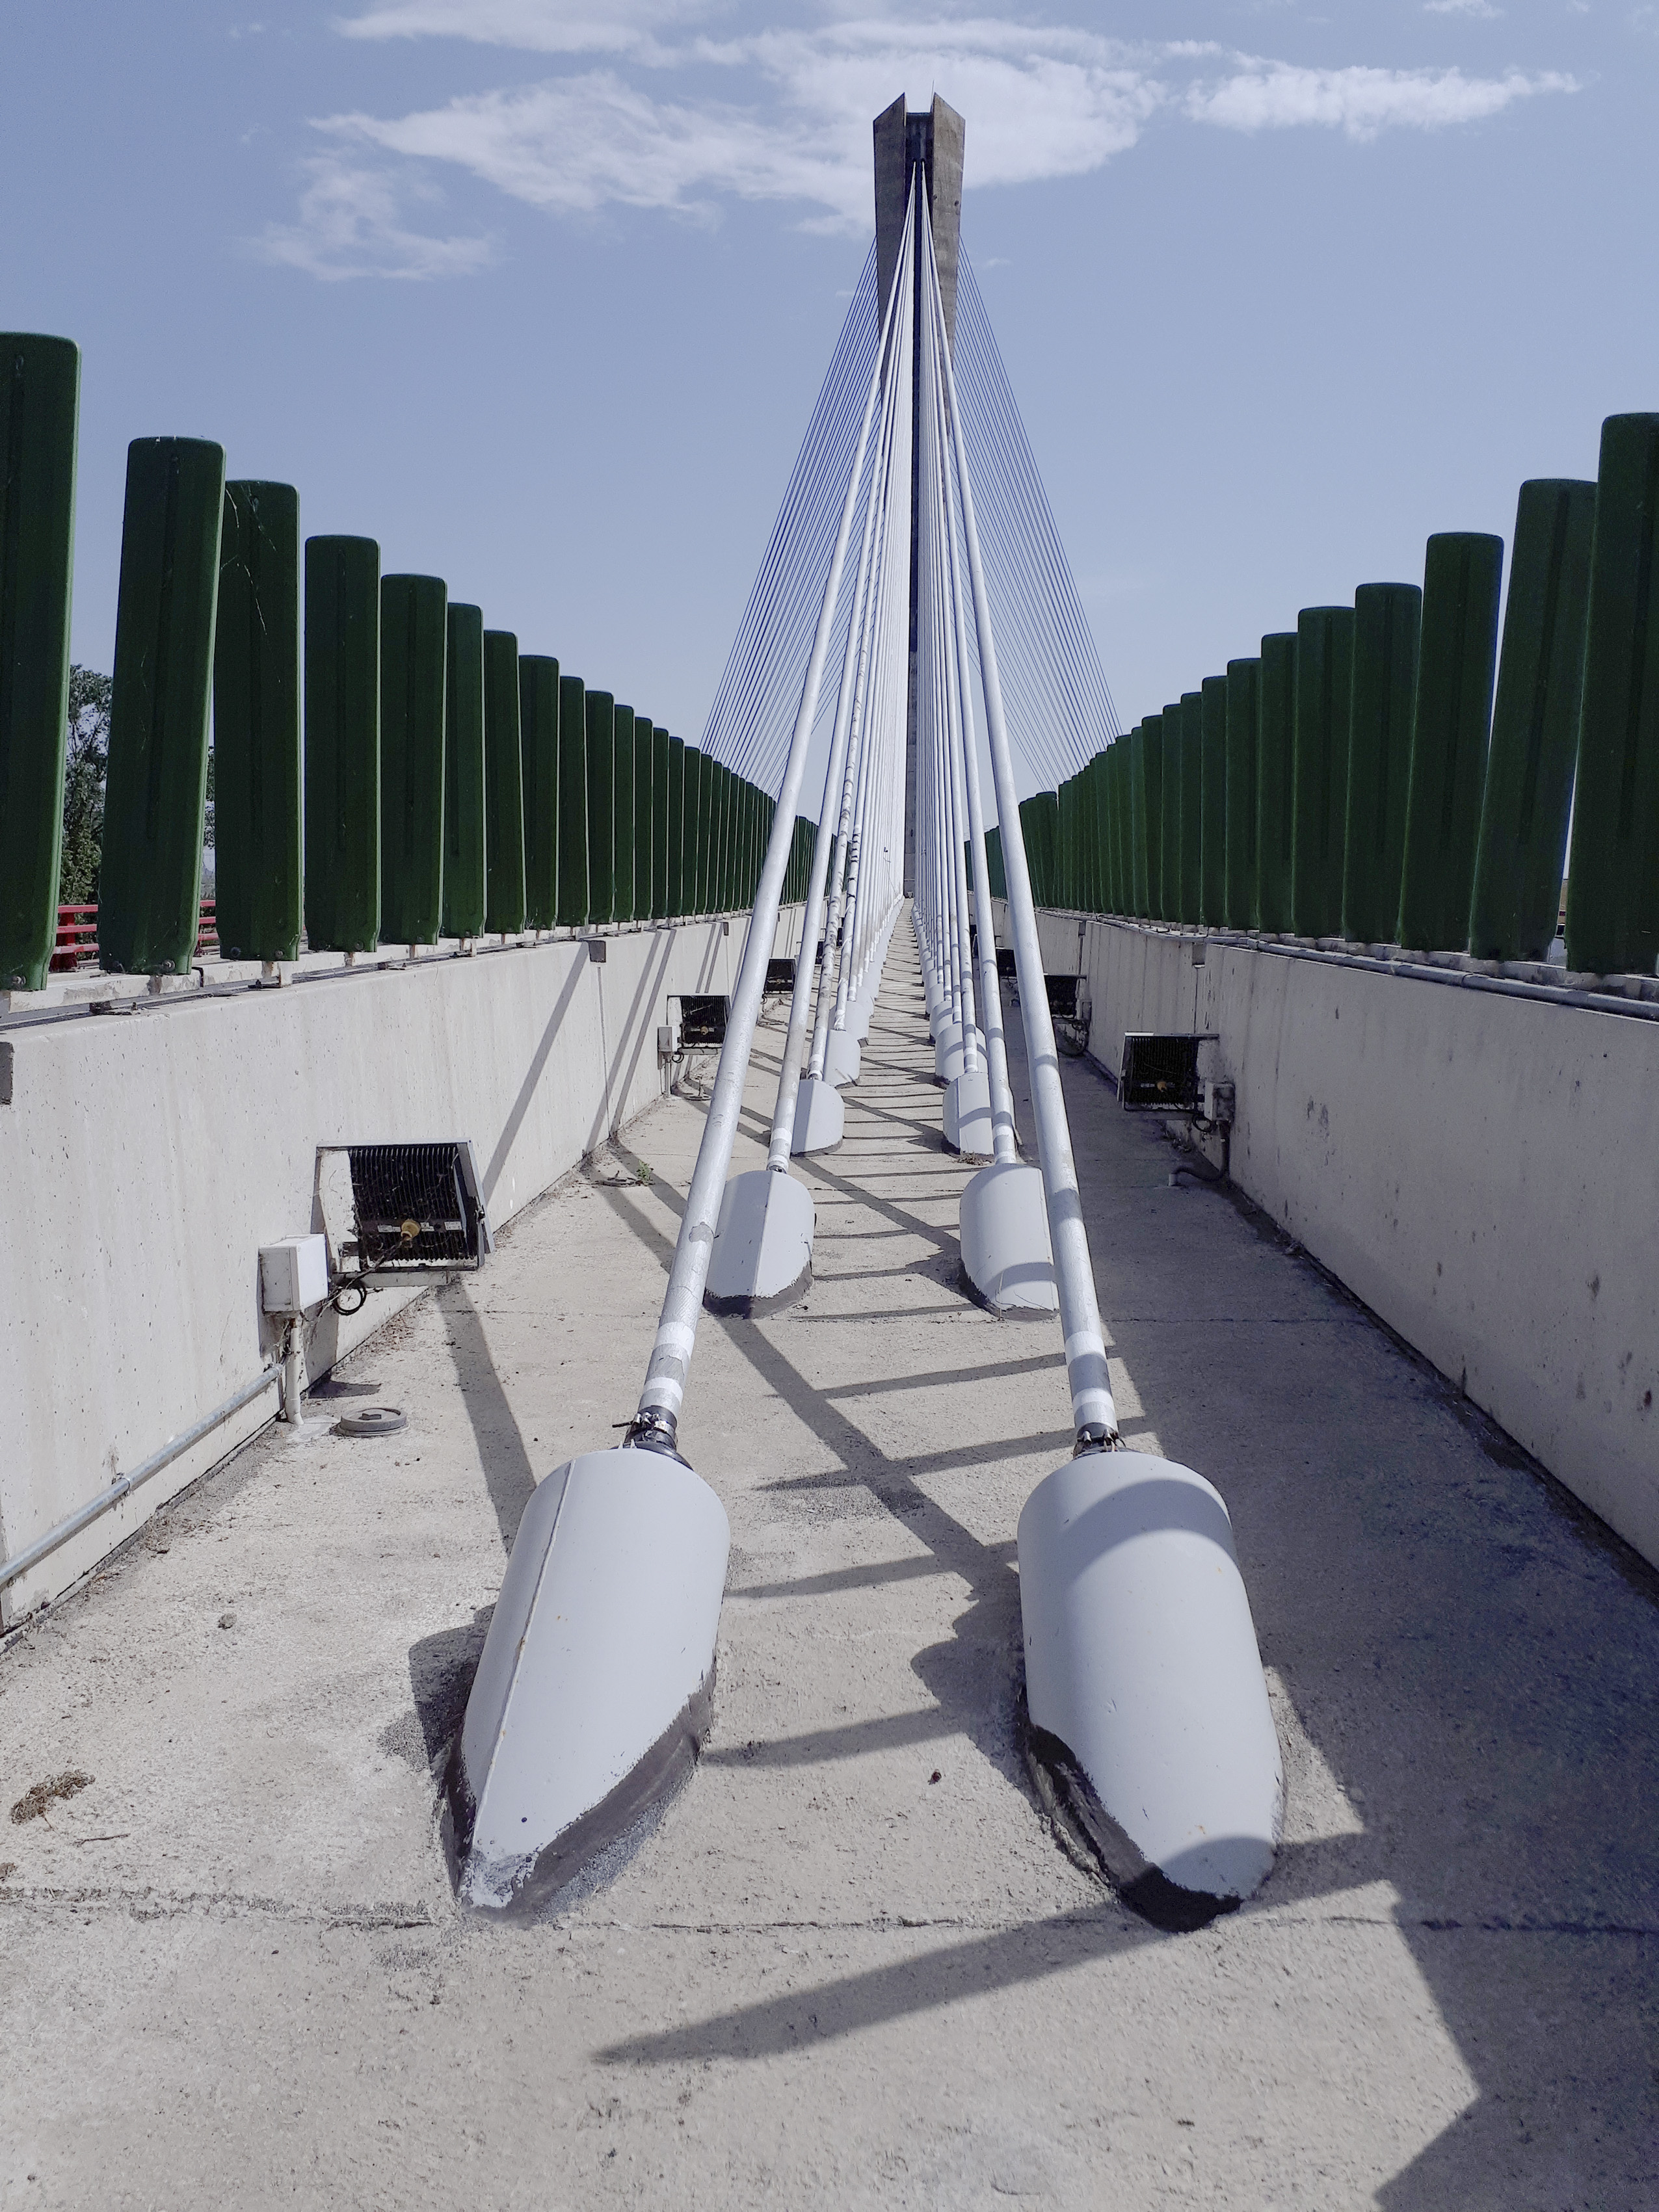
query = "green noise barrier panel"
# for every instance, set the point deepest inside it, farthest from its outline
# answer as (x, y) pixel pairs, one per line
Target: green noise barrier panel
(1522, 844)
(690, 840)
(1140, 843)
(573, 801)
(1275, 787)
(644, 818)
(464, 774)
(39, 406)
(1243, 733)
(414, 641)
(1613, 893)
(504, 893)
(1152, 765)
(1386, 623)
(150, 891)
(995, 874)
(1173, 728)
(1462, 575)
(623, 815)
(1212, 841)
(662, 776)
(677, 871)
(1118, 896)
(342, 743)
(601, 806)
(259, 797)
(538, 754)
(1324, 670)
(1192, 802)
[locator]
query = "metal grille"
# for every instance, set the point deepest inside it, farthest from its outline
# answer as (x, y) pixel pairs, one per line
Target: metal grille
(703, 1020)
(1159, 1074)
(416, 1209)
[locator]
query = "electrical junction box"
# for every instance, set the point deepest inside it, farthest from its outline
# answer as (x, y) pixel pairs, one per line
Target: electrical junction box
(1218, 1103)
(666, 1041)
(294, 1274)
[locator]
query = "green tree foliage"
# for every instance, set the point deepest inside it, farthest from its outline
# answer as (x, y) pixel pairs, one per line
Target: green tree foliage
(83, 786)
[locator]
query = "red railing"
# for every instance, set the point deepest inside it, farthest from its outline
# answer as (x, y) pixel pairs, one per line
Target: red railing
(78, 937)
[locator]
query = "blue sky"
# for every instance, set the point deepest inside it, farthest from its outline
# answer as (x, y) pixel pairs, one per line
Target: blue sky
(539, 293)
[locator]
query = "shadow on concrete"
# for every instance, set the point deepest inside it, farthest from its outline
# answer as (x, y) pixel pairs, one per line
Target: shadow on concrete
(509, 1474)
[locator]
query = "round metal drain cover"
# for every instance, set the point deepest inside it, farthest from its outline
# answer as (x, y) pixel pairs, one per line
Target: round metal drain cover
(374, 1421)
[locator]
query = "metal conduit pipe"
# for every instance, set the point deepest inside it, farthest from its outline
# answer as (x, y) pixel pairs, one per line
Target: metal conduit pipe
(123, 1486)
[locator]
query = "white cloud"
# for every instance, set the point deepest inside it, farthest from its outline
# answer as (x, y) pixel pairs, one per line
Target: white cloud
(783, 114)
(546, 27)
(349, 225)
(1462, 8)
(1273, 95)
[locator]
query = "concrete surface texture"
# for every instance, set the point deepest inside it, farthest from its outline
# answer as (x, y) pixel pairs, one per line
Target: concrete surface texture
(852, 1966)
(145, 1160)
(1481, 1169)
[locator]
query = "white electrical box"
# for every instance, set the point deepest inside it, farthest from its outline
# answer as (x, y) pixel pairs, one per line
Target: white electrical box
(294, 1274)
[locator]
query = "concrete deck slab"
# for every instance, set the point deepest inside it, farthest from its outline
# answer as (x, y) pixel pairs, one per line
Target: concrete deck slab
(852, 1966)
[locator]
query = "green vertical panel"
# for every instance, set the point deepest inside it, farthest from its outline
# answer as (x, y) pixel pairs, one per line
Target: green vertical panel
(996, 874)
(1152, 766)
(257, 807)
(677, 826)
(342, 743)
(1275, 786)
(661, 780)
(414, 637)
(645, 821)
(720, 839)
(601, 806)
(1613, 897)
(1139, 837)
(504, 899)
(623, 823)
(1028, 832)
(1213, 780)
(573, 801)
(1173, 731)
(538, 754)
(1386, 621)
(39, 403)
(728, 874)
(464, 774)
(1244, 728)
(1116, 755)
(1192, 801)
(690, 800)
(1319, 768)
(1534, 725)
(150, 889)
(1457, 658)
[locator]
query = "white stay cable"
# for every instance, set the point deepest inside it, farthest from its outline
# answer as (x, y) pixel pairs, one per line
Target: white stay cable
(655, 1424)
(990, 990)
(783, 1115)
(1093, 1413)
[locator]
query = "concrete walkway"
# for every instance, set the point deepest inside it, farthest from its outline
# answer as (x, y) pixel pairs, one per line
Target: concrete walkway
(853, 1967)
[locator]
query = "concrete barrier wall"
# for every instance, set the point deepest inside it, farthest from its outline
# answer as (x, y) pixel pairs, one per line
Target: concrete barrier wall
(1481, 1169)
(145, 1158)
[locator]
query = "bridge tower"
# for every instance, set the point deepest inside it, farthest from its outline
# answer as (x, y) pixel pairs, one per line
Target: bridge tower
(932, 143)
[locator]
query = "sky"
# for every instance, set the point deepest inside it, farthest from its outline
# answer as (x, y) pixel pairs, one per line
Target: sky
(539, 293)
